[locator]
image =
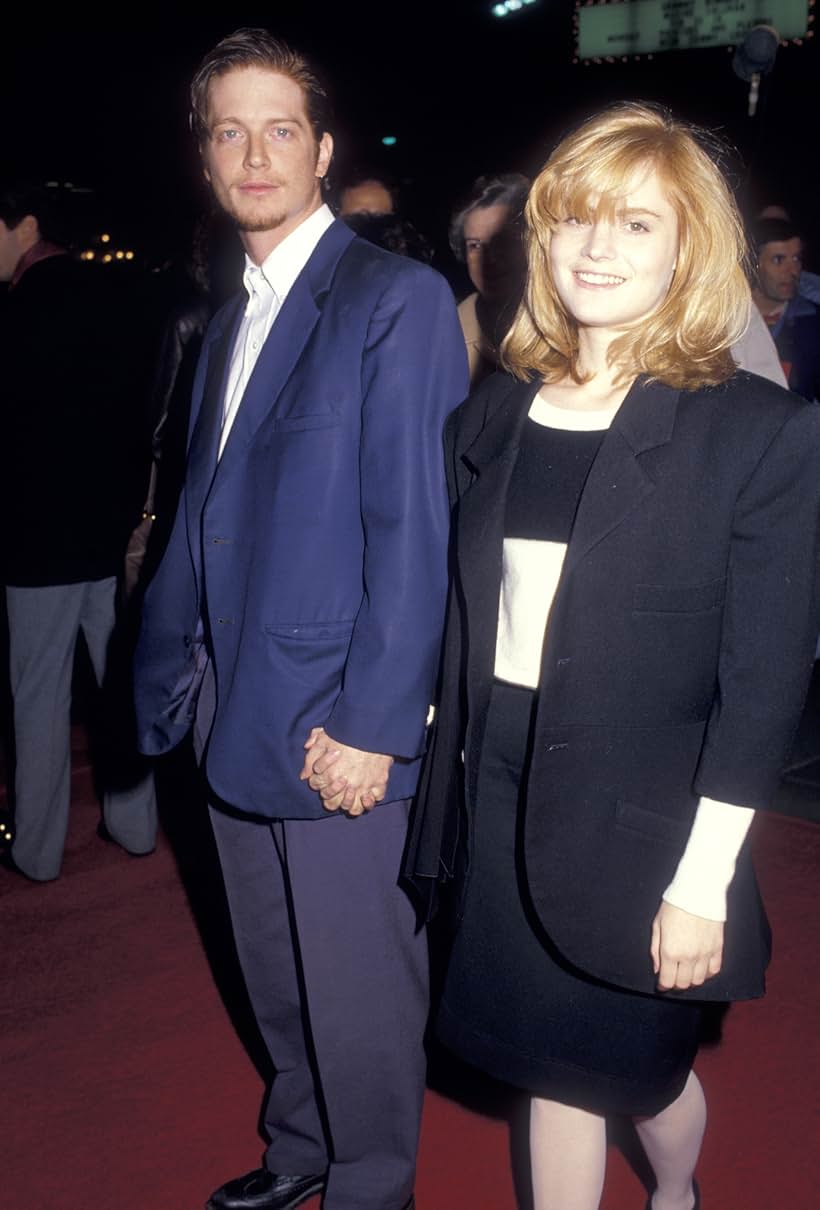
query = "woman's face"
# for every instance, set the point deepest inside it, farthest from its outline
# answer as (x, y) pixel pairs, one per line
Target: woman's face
(612, 273)
(494, 251)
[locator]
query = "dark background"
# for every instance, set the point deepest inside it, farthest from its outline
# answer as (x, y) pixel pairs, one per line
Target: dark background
(102, 103)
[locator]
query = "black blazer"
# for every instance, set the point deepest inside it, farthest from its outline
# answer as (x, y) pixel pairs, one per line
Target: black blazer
(677, 658)
(74, 453)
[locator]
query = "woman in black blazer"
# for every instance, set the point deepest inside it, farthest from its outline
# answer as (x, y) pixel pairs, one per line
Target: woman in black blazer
(629, 641)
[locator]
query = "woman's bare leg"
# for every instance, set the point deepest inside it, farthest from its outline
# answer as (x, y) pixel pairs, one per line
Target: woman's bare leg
(567, 1155)
(672, 1142)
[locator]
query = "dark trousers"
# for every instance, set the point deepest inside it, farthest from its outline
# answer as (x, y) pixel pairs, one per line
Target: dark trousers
(337, 976)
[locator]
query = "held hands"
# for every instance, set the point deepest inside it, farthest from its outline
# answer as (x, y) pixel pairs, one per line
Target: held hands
(345, 777)
(686, 950)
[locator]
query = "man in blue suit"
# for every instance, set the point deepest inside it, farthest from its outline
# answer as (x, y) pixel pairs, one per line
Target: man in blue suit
(295, 621)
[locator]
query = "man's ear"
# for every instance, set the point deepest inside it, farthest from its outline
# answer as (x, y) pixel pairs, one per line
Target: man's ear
(325, 154)
(28, 230)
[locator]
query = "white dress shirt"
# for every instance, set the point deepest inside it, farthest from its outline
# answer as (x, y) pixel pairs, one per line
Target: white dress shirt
(267, 287)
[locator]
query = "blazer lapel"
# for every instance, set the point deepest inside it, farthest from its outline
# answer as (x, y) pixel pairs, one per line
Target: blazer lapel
(490, 458)
(286, 342)
(204, 443)
(617, 482)
(480, 520)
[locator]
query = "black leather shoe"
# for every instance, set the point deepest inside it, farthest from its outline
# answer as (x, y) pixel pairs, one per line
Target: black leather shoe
(696, 1204)
(263, 1190)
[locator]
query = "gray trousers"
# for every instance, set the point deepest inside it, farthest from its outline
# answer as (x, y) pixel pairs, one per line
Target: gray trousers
(338, 979)
(44, 624)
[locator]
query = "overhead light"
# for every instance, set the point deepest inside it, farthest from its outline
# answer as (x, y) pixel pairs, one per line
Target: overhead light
(510, 6)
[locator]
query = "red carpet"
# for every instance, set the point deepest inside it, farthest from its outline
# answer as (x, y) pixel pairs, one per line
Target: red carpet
(124, 1086)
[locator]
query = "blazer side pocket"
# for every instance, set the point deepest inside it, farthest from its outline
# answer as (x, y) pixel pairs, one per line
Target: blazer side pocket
(310, 631)
(650, 823)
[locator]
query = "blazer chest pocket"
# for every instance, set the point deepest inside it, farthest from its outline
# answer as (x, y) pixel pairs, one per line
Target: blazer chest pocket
(693, 598)
(299, 424)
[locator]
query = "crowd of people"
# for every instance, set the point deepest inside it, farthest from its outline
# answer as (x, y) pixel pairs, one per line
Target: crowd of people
(564, 740)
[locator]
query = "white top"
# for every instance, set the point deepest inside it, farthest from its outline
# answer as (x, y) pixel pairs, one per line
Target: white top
(531, 571)
(267, 286)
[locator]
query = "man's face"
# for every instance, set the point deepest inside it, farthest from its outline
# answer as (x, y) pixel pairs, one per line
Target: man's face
(368, 197)
(10, 251)
(780, 263)
(260, 155)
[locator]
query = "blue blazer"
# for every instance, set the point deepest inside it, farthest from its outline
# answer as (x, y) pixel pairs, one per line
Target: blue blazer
(314, 550)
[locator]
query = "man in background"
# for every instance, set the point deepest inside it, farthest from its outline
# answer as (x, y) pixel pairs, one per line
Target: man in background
(366, 191)
(793, 321)
(69, 485)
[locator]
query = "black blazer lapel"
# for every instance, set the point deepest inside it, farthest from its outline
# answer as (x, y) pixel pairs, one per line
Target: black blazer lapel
(480, 526)
(617, 482)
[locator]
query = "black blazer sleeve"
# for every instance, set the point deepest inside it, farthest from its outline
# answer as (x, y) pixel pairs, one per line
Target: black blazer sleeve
(771, 606)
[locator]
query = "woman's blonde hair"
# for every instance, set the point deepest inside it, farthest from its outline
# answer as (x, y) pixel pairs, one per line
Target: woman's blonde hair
(686, 341)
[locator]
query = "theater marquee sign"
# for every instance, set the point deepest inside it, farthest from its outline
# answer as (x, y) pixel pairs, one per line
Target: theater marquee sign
(640, 27)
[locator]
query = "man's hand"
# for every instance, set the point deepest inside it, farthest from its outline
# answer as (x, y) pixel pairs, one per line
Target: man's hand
(345, 777)
(686, 950)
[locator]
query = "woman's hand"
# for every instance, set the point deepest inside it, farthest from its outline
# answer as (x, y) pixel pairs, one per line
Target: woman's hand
(686, 950)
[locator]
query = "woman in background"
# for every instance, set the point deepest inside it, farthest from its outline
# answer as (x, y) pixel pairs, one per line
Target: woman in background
(629, 642)
(486, 236)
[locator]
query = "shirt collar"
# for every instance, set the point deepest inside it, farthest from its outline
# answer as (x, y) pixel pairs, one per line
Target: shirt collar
(282, 266)
(42, 250)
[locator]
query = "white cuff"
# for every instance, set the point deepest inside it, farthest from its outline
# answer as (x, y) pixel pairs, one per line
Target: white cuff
(708, 864)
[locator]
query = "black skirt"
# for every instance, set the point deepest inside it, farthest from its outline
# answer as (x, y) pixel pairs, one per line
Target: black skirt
(512, 1005)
